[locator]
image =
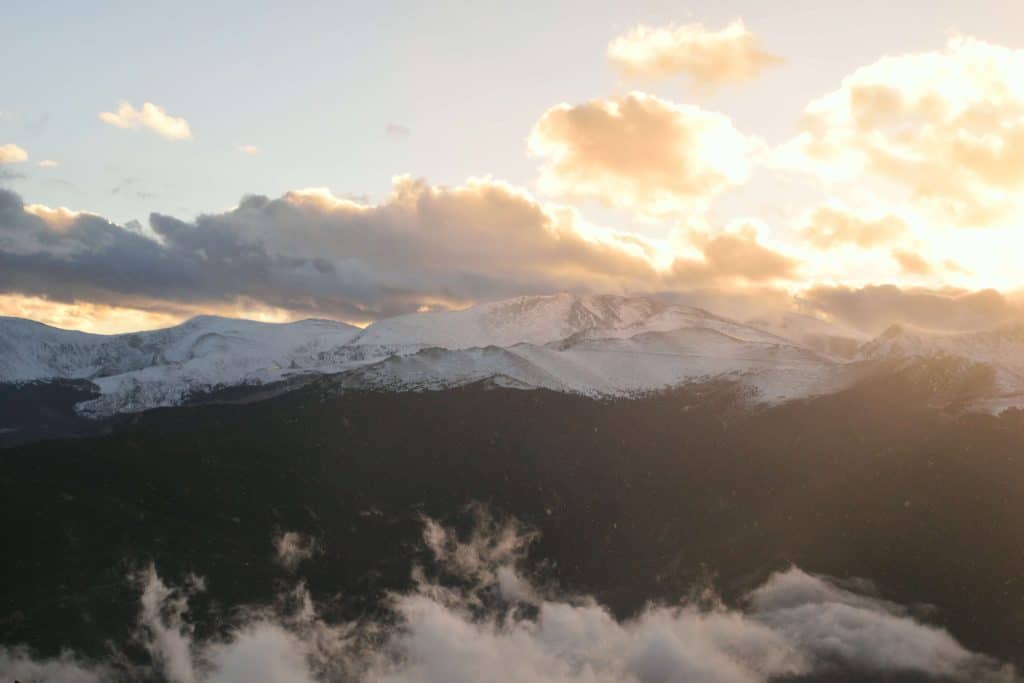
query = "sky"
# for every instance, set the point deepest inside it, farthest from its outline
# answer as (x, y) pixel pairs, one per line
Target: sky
(859, 162)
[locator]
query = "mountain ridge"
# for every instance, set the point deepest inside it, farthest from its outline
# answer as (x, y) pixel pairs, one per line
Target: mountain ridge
(595, 345)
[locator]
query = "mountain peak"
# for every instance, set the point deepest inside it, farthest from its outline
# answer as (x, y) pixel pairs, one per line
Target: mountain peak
(540, 320)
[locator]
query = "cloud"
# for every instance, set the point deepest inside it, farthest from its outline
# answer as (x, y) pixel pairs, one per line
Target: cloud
(397, 131)
(98, 318)
(12, 154)
(945, 127)
(59, 219)
(48, 163)
(292, 548)
(312, 253)
(7, 175)
(150, 116)
(912, 263)
(833, 625)
(458, 623)
(640, 152)
(829, 227)
(18, 664)
(735, 254)
(249, 149)
(709, 58)
(875, 307)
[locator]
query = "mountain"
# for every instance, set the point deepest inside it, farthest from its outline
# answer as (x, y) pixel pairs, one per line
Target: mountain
(593, 365)
(592, 345)
(599, 346)
(541, 320)
(827, 338)
(1000, 351)
(164, 367)
(647, 501)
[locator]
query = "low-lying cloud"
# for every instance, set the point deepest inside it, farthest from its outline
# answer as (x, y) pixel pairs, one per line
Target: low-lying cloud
(874, 308)
(476, 616)
(292, 548)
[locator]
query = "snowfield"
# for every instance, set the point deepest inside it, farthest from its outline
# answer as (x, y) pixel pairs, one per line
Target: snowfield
(592, 345)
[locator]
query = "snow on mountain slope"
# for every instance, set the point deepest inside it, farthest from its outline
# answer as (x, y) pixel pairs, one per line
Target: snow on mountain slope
(30, 350)
(542, 320)
(594, 345)
(1002, 345)
(164, 367)
(616, 366)
(830, 339)
(1001, 349)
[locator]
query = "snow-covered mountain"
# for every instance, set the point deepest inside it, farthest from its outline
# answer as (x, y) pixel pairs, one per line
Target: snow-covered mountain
(827, 338)
(593, 345)
(165, 367)
(543, 320)
(1000, 350)
(615, 365)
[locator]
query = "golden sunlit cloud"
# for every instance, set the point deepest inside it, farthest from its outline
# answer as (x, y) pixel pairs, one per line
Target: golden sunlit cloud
(249, 149)
(875, 307)
(12, 154)
(709, 58)
(99, 318)
(151, 117)
(59, 219)
(828, 227)
(84, 315)
(310, 253)
(736, 254)
(912, 263)
(947, 127)
(641, 153)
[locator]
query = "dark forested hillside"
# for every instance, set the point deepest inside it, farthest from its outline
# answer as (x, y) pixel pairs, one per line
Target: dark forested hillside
(635, 500)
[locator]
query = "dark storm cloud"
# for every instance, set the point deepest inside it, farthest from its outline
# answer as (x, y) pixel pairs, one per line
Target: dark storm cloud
(313, 253)
(90, 258)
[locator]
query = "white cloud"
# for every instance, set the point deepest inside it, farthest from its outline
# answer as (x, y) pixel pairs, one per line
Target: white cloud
(794, 624)
(59, 219)
(292, 548)
(18, 664)
(944, 127)
(709, 58)
(48, 163)
(640, 152)
(12, 154)
(150, 116)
